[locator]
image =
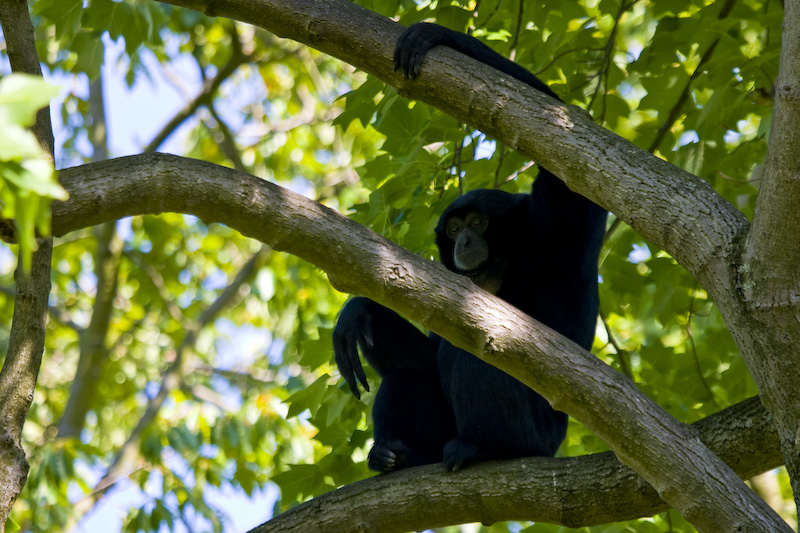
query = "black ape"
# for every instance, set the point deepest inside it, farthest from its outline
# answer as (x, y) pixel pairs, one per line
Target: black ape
(411, 419)
(538, 252)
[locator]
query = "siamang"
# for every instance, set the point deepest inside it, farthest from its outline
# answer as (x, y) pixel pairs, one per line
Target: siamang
(536, 251)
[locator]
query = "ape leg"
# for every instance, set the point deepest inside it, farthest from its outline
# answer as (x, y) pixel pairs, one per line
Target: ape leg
(411, 421)
(497, 416)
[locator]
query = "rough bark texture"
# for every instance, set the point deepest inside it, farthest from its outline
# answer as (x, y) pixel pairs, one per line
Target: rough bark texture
(755, 284)
(759, 295)
(571, 491)
(672, 208)
(667, 454)
(26, 339)
(766, 318)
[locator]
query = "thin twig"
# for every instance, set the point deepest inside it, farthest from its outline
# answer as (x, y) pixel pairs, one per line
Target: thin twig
(693, 347)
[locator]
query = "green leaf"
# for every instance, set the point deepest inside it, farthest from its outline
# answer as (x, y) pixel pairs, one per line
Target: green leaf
(299, 480)
(21, 96)
(315, 353)
(66, 14)
(310, 398)
(11, 526)
(89, 48)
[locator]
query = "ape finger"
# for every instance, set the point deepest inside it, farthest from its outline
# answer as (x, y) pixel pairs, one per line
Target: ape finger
(407, 56)
(365, 344)
(343, 346)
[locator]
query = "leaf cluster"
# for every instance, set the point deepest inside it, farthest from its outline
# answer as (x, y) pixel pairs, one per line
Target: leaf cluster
(259, 400)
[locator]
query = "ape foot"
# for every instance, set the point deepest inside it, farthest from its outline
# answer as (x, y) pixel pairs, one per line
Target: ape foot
(458, 453)
(389, 455)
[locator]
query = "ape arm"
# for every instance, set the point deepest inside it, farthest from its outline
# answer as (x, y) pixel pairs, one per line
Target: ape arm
(419, 38)
(387, 341)
(566, 217)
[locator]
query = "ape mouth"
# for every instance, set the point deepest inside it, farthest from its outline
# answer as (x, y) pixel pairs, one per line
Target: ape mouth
(472, 272)
(470, 263)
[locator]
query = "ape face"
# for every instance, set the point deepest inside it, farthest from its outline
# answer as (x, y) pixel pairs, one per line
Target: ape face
(471, 249)
(476, 235)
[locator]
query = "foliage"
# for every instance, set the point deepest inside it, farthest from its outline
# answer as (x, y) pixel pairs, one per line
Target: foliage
(27, 180)
(260, 401)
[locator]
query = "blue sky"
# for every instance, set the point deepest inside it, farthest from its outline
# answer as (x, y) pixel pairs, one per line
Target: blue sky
(134, 115)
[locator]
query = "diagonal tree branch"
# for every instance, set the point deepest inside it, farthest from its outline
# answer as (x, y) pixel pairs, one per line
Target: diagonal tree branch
(205, 95)
(571, 491)
(667, 454)
(694, 224)
(684, 96)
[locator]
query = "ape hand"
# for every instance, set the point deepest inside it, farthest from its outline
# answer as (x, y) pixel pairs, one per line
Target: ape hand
(354, 329)
(415, 43)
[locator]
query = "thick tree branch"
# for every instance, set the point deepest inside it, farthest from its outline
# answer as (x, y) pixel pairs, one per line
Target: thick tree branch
(769, 312)
(668, 206)
(571, 491)
(26, 339)
(773, 241)
(667, 454)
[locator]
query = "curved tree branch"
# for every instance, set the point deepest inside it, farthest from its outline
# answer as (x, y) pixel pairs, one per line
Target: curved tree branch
(667, 454)
(570, 491)
(671, 208)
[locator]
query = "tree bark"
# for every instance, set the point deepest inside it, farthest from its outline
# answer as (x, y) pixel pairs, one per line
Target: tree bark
(571, 491)
(697, 226)
(667, 454)
(26, 339)
(767, 318)
(759, 297)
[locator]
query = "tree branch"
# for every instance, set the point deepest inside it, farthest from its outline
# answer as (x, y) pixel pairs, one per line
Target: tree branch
(769, 284)
(209, 88)
(26, 339)
(667, 454)
(93, 340)
(776, 224)
(673, 209)
(55, 313)
(570, 491)
(674, 113)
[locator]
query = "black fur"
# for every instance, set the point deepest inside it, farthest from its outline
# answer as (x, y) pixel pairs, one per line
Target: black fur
(438, 402)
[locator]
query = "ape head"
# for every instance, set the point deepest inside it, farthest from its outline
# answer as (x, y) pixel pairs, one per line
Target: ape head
(478, 235)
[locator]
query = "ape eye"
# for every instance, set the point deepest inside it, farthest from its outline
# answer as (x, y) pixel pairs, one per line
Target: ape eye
(478, 222)
(453, 229)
